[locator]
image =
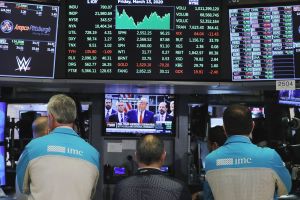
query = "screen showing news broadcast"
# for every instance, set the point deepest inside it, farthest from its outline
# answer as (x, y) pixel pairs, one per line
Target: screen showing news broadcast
(138, 114)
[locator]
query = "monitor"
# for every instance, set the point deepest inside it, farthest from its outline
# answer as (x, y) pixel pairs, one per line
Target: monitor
(119, 171)
(2, 166)
(3, 107)
(28, 39)
(216, 121)
(164, 169)
(257, 112)
(138, 114)
(289, 97)
(265, 42)
(144, 39)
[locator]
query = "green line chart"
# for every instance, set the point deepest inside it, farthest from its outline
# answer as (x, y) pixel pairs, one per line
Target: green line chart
(154, 20)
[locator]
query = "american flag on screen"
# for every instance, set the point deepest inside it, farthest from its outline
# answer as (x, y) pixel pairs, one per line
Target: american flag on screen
(128, 105)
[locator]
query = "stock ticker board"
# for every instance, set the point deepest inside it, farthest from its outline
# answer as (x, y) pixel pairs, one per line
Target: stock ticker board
(28, 39)
(265, 43)
(143, 39)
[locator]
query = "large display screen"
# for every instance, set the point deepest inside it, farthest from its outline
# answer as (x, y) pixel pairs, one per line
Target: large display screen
(3, 107)
(28, 38)
(265, 42)
(289, 97)
(136, 114)
(144, 39)
(2, 166)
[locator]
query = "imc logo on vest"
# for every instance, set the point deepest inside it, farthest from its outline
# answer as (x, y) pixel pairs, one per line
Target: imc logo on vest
(62, 149)
(233, 161)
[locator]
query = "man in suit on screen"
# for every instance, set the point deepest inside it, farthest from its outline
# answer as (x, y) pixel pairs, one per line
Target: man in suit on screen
(141, 115)
(162, 115)
(120, 115)
(108, 109)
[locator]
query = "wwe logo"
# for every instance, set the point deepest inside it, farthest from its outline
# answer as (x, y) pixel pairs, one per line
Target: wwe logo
(23, 64)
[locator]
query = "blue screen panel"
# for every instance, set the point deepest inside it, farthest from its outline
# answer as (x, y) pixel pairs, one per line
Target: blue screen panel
(2, 166)
(2, 120)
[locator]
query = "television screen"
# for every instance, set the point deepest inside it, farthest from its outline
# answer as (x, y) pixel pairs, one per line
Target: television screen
(218, 121)
(289, 97)
(265, 42)
(3, 107)
(136, 114)
(144, 40)
(28, 39)
(164, 169)
(257, 112)
(2, 166)
(119, 171)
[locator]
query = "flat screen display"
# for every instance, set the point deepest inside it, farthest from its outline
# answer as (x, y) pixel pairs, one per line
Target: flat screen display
(289, 97)
(257, 112)
(144, 39)
(164, 169)
(136, 114)
(2, 166)
(265, 42)
(3, 107)
(218, 121)
(119, 171)
(28, 39)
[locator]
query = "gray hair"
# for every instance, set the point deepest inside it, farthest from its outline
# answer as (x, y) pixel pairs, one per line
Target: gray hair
(149, 149)
(63, 108)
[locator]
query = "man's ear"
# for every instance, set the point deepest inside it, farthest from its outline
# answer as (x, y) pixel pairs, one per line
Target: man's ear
(163, 156)
(225, 130)
(253, 125)
(214, 146)
(50, 116)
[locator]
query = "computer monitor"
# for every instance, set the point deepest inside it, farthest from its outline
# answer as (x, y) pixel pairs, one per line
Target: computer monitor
(289, 97)
(218, 121)
(3, 107)
(28, 39)
(2, 166)
(265, 42)
(257, 112)
(123, 116)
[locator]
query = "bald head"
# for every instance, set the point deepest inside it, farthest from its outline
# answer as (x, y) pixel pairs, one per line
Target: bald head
(150, 150)
(40, 127)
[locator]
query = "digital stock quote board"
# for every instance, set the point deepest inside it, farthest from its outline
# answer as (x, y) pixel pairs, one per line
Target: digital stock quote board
(265, 42)
(143, 39)
(28, 39)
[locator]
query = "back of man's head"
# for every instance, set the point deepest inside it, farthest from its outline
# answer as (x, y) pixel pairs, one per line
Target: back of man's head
(63, 108)
(149, 149)
(217, 135)
(40, 127)
(237, 120)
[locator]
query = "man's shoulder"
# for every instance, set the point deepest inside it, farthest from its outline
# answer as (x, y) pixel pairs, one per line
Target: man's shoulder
(131, 112)
(149, 112)
(168, 116)
(159, 179)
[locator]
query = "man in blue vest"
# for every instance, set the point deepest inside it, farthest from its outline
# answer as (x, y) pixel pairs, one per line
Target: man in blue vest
(59, 165)
(239, 170)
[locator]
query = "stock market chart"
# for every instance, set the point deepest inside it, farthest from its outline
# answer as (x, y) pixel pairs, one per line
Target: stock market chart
(143, 39)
